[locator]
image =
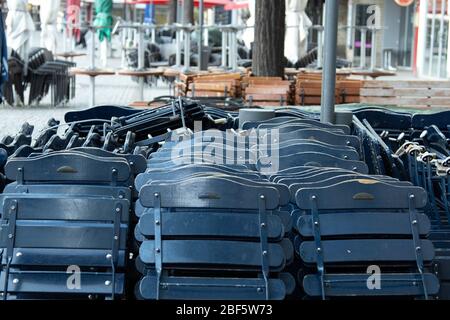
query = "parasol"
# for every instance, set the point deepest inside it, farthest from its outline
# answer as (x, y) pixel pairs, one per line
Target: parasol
(49, 14)
(103, 19)
(19, 27)
(297, 26)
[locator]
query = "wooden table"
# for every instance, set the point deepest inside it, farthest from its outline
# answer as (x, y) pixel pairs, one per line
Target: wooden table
(70, 55)
(374, 74)
(172, 72)
(141, 74)
(92, 73)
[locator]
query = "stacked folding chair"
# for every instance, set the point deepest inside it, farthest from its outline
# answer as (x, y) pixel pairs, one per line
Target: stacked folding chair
(13, 88)
(349, 224)
(421, 148)
(45, 74)
(64, 226)
(208, 230)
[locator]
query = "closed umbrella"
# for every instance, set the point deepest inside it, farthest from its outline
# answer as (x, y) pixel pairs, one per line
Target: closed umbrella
(103, 22)
(103, 19)
(49, 14)
(298, 24)
(19, 27)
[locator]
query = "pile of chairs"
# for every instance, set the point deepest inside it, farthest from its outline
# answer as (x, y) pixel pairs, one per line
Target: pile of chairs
(111, 128)
(348, 223)
(209, 230)
(64, 228)
(44, 75)
(196, 187)
(419, 144)
(277, 209)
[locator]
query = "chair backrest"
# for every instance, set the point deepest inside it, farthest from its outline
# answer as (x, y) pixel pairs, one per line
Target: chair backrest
(67, 167)
(210, 192)
(361, 194)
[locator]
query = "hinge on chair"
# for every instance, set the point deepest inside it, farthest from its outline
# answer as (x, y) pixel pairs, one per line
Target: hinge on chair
(416, 240)
(115, 246)
(10, 244)
(158, 241)
(264, 241)
(318, 243)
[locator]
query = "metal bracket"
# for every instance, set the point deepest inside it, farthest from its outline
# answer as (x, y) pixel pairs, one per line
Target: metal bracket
(416, 240)
(318, 243)
(10, 244)
(264, 241)
(158, 241)
(430, 191)
(115, 246)
(444, 198)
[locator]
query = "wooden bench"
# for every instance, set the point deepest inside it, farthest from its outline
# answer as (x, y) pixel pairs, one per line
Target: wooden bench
(271, 91)
(407, 93)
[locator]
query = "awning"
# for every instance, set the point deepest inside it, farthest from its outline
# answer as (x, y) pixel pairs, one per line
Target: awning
(206, 3)
(236, 5)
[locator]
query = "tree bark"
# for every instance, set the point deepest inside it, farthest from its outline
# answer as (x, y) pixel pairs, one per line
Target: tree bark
(268, 48)
(188, 12)
(172, 14)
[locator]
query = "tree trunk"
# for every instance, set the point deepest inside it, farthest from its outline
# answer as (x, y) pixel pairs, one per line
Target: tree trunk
(268, 48)
(188, 12)
(172, 14)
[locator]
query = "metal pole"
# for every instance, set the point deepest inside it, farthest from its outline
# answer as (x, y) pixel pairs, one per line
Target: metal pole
(433, 28)
(124, 44)
(154, 35)
(422, 37)
(187, 48)
(141, 61)
(362, 62)
(441, 38)
(92, 91)
(65, 38)
(373, 50)
(200, 36)
(224, 48)
(178, 54)
(92, 67)
(319, 48)
(230, 50)
(329, 70)
(92, 51)
(234, 50)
